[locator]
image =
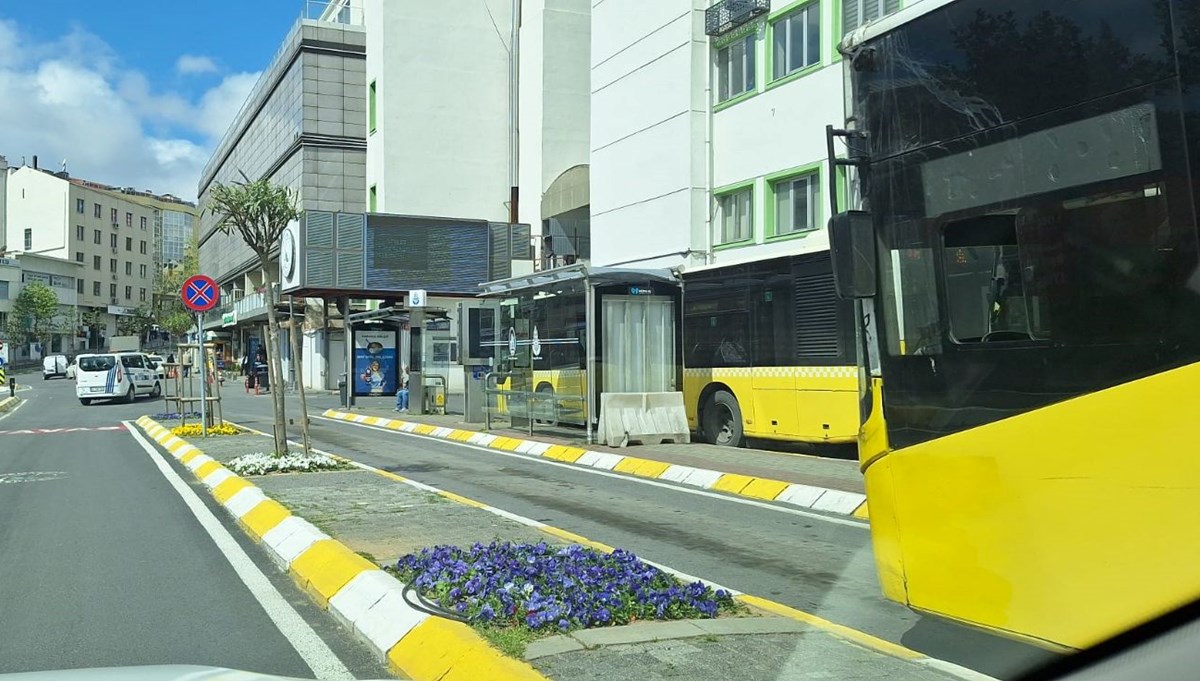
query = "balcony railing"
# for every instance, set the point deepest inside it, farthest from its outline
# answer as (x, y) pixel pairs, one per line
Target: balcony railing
(727, 15)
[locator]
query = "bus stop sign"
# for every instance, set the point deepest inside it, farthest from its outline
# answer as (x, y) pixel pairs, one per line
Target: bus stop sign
(200, 293)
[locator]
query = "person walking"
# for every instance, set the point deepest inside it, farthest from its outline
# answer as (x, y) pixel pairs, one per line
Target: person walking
(187, 363)
(402, 393)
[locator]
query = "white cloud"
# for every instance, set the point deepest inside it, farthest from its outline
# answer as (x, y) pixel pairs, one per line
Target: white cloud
(70, 99)
(189, 64)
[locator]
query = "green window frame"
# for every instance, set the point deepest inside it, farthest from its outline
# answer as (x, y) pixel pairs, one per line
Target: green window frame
(734, 222)
(737, 68)
(796, 40)
(783, 203)
(371, 106)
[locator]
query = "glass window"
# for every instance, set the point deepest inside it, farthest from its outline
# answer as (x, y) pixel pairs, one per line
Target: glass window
(112, 290)
(96, 262)
(97, 363)
(113, 214)
(128, 293)
(771, 294)
(142, 248)
(96, 287)
(129, 268)
(79, 205)
(133, 362)
(79, 232)
(797, 40)
(142, 294)
(142, 271)
(129, 243)
(735, 68)
(735, 218)
(855, 13)
(716, 325)
(28, 239)
(95, 236)
(371, 107)
(79, 286)
(96, 210)
(143, 222)
(112, 265)
(112, 240)
(797, 204)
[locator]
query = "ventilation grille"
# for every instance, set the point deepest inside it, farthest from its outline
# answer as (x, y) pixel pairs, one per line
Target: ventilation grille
(816, 316)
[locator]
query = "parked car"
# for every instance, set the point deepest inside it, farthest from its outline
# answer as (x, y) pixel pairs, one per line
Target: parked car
(54, 365)
(115, 375)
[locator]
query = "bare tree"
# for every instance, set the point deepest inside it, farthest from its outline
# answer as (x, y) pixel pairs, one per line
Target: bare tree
(259, 211)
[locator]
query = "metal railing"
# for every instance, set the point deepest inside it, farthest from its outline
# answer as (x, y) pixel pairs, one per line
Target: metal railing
(727, 15)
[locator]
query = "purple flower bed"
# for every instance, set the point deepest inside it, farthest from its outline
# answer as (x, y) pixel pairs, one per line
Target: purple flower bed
(546, 588)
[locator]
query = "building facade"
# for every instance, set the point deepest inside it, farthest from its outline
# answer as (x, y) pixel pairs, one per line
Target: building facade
(62, 276)
(106, 233)
(723, 159)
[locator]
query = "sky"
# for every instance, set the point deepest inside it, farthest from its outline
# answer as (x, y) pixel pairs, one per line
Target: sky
(135, 92)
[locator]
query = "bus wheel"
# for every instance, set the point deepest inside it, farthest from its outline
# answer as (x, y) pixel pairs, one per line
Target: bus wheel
(722, 421)
(545, 401)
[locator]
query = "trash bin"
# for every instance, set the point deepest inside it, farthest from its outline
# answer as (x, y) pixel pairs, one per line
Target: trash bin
(342, 392)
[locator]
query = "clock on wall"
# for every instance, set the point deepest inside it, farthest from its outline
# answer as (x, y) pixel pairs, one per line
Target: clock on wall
(287, 253)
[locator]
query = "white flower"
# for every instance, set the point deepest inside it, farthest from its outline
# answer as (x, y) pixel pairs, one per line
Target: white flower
(260, 463)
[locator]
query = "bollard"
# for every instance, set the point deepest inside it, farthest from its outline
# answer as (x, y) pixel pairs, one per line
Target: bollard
(12, 387)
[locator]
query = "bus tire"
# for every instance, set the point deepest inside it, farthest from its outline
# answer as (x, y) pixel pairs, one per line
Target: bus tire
(546, 391)
(721, 420)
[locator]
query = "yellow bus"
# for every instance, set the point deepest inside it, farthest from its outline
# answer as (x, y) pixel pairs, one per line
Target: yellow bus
(768, 353)
(1026, 263)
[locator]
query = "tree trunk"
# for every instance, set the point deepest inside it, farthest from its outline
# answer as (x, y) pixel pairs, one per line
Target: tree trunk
(274, 362)
(295, 333)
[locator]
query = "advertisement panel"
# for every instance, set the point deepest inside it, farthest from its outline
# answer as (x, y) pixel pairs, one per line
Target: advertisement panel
(376, 362)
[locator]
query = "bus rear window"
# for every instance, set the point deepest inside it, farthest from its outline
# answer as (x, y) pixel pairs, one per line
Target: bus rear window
(97, 363)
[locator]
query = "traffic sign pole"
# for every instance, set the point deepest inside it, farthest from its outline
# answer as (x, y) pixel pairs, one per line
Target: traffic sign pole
(203, 376)
(200, 294)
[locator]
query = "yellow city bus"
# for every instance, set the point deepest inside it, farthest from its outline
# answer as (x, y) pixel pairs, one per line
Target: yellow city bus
(1026, 264)
(768, 353)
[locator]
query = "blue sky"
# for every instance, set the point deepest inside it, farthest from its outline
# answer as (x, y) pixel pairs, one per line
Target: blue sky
(135, 92)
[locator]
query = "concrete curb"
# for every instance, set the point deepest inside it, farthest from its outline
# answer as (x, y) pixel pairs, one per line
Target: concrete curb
(8, 403)
(365, 599)
(810, 497)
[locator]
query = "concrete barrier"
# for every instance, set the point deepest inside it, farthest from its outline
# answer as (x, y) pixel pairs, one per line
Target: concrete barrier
(643, 418)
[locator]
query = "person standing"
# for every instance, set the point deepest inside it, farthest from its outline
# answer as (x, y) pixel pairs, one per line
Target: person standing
(402, 393)
(187, 363)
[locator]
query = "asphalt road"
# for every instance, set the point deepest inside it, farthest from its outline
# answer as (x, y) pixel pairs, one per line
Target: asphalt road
(102, 564)
(815, 565)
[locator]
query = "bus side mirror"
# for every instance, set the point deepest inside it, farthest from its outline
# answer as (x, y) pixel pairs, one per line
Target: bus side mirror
(852, 243)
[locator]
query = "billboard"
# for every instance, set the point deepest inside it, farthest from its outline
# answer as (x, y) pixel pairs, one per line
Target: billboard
(376, 361)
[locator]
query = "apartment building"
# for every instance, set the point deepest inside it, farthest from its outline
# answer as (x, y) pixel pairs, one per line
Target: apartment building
(96, 226)
(62, 276)
(708, 127)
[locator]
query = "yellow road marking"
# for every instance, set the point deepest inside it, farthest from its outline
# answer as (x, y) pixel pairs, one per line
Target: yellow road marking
(326, 566)
(732, 483)
(266, 515)
(840, 630)
(572, 537)
(461, 499)
(764, 488)
(225, 491)
(564, 454)
(206, 468)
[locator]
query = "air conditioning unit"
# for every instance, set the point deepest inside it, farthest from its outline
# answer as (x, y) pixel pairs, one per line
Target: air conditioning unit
(116, 225)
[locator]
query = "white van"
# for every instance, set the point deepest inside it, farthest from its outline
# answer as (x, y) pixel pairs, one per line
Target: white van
(54, 365)
(115, 375)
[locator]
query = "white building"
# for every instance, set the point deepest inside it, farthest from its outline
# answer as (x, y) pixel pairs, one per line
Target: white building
(708, 127)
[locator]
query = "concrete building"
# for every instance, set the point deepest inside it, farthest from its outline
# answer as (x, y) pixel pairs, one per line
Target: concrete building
(303, 126)
(96, 226)
(62, 276)
(722, 159)
(176, 225)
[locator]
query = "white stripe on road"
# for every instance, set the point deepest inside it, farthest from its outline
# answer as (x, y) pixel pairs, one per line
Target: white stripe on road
(316, 654)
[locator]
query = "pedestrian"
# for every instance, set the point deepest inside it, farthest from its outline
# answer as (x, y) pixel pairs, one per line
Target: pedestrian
(260, 367)
(187, 363)
(171, 368)
(402, 393)
(244, 363)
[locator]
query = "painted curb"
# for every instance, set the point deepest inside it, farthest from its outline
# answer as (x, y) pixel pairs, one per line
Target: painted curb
(365, 599)
(8, 403)
(809, 497)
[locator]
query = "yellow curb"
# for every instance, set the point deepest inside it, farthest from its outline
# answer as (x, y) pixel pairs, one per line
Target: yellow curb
(174, 448)
(190, 455)
(451, 651)
(764, 488)
(325, 567)
(732, 483)
(225, 491)
(206, 468)
(861, 512)
(424, 428)
(841, 631)
(499, 442)
(511, 444)
(561, 453)
(266, 515)
(641, 467)
(461, 435)
(462, 500)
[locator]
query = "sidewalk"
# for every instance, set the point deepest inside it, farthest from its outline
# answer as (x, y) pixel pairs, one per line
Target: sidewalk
(381, 516)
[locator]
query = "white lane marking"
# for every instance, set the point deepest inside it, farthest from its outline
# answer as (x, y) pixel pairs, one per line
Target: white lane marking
(955, 669)
(628, 478)
(316, 654)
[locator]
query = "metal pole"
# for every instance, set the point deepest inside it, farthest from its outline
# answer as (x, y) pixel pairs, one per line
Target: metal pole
(514, 114)
(203, 376)
(589, 375)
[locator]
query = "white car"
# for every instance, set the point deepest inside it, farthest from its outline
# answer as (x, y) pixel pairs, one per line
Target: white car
(115, 375)
(54, 365)
(156, 362)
